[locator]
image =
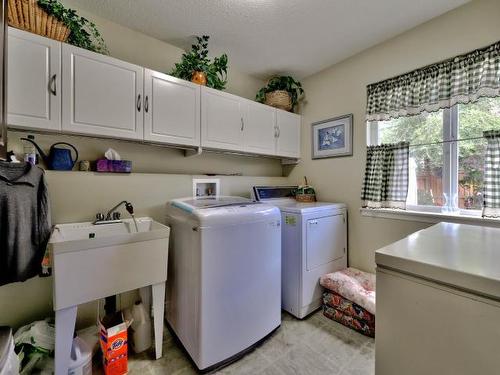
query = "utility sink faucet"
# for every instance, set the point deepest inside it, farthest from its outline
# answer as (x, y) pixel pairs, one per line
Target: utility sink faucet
(113, 216)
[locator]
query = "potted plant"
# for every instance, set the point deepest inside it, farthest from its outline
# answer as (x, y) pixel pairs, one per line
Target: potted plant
(82, 32)
(195, 66)
(282, 92)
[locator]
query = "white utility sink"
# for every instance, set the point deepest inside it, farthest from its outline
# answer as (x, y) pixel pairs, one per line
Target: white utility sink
(91, 262)
(76, 236)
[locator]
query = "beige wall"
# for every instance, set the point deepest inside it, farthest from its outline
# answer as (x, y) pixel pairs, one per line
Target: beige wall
(77, 196)
(165, 173)
(336, 91)
(135, 47)
(143, 50)
(341, 89)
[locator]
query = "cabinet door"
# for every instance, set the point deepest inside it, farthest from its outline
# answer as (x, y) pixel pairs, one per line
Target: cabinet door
(259, 130)
(101, 95)
(221, 120)
(34, 76)
(171, 110)
(288, 125)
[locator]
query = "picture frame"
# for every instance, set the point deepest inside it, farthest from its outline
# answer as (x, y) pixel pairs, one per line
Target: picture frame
(332, 137)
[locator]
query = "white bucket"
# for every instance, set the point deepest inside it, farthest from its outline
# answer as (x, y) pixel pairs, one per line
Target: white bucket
(81, 358)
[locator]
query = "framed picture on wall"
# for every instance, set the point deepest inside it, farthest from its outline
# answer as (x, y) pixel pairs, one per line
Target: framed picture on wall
(332, 137)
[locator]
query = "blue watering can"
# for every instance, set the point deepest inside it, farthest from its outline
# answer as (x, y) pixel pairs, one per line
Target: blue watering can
(58, 159)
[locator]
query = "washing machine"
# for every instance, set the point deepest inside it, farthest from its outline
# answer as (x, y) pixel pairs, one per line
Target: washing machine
(224, 283)
(314, 243)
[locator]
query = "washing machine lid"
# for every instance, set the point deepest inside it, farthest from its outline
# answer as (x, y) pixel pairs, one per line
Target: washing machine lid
(199, 203)
(222, 210)
(284, 198)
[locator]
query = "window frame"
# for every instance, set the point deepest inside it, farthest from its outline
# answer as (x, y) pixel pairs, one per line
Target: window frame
(450, 129)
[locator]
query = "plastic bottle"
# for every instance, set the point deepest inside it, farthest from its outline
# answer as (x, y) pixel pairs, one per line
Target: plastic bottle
(81, 358)
(29, 151)
(141, 328)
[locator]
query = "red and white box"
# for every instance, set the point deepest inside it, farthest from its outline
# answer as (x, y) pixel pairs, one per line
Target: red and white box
(114, 344)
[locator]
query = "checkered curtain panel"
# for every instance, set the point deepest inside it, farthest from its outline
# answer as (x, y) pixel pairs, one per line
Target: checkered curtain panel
(492, 175)
(462, 79)
(386, 176)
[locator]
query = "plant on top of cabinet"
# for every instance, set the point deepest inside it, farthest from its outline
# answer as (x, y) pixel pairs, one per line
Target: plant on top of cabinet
(282, 92)
(83, 33)
(196, 67)
(28, 15)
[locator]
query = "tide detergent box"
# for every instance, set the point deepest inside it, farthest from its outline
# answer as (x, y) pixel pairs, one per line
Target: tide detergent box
(114, 344)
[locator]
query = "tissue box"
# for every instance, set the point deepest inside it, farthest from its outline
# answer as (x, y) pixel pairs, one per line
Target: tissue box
(114, 166)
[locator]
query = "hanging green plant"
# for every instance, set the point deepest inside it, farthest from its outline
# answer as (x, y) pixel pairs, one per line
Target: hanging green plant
(83, 33)
(195, 66)
(282, 92)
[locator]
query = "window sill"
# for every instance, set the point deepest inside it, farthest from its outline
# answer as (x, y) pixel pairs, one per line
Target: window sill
(428, 217)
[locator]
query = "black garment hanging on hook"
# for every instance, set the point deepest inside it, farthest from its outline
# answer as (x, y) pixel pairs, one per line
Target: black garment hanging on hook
(24, 221)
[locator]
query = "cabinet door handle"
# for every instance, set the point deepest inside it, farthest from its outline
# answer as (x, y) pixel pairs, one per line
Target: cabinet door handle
(242, 124)
(53, 85)
(275, 132)
(139, 102)
(279, 131)
(146, 104)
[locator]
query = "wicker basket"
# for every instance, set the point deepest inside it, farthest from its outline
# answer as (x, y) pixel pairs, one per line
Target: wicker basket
(27, 15)
(306, 198)
(279, 99)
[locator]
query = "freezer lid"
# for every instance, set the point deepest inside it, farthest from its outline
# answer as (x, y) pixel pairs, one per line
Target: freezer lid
(464, 256)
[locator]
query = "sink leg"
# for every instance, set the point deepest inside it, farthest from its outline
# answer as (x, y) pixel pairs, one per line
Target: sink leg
(65, 327)
(158, 311)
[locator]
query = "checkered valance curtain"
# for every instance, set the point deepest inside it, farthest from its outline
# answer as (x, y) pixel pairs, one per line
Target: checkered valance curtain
(386, 176)
(462, 79)
(492, 175)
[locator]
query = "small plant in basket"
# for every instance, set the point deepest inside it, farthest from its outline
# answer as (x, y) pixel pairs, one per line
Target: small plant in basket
(282, 92)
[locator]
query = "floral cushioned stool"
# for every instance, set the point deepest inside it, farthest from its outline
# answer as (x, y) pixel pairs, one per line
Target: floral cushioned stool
(350, 299)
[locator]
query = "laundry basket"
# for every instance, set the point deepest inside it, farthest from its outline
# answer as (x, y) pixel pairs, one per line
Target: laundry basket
(28, 15)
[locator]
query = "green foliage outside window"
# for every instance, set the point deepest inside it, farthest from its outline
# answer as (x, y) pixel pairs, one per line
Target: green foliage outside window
(426, 128)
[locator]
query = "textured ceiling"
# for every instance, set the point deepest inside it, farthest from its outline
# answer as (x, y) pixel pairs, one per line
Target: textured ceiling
(265, 37)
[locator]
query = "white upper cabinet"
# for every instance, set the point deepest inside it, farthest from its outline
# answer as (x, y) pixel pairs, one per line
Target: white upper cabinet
(58, 87)
(34, 81)
(288, 128)
(222, 120)
(102, 96)
(259, 130)
(232, 123)
(171, 110)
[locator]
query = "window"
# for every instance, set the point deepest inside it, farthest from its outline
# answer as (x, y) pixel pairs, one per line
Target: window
(446, 154)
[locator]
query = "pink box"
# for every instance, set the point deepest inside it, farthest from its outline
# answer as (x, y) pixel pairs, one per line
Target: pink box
(114, 166)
